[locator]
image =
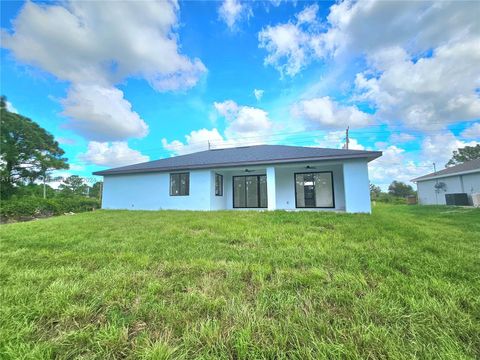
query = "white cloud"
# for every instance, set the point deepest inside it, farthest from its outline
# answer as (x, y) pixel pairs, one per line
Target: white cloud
(244, 125)
(401, 138)
(287, 47)
(227, 109)
(291, 46)
(421, 56)
(336, 140)
(368, 26)
(258, 94)
(308, 15)
(65, 141)
(398, 164)
(98, 44)
(395, 164)
(10, 107)
(232, 11)
(111, 155)
(439, 147)
(428, 93)
(102, 114)
(104, 42)
(328, 113)
(472, 132)
(196, 141)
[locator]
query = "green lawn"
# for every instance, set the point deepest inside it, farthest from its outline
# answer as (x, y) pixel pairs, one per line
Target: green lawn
(401, 283)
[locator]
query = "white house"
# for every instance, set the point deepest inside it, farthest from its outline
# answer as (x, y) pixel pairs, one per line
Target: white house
(434, 188)
(251, 177)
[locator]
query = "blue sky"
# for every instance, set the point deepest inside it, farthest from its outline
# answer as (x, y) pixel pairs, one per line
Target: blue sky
(125, 82)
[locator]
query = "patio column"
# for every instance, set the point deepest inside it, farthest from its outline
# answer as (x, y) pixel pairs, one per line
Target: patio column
(357, 186)
(271, 188)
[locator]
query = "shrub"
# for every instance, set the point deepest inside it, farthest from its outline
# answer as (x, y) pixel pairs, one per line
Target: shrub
(30, 207)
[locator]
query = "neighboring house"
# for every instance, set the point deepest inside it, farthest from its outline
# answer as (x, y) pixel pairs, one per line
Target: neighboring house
(251, 177)
(463, 178)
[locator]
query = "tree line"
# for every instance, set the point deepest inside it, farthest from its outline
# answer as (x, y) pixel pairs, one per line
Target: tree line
(28, 156)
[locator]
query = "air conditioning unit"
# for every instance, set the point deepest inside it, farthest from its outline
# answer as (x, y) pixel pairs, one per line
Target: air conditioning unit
(476, 199)
(458, 199)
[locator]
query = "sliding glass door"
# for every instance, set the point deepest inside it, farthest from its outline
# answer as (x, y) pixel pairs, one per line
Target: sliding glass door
(250, 191)
(314, 190)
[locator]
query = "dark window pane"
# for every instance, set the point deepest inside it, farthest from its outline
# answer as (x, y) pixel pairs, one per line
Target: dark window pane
(314, 190)
(179, 184)
(299, 190)
(251, 184)
(218, 185)
(239, 191)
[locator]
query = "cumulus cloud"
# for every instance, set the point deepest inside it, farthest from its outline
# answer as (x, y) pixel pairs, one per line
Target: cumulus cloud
(308, 15)
(328, 113)
(197, 140)
(244, 125)
(102, 114)
(97, 44)
(368, 26)
(10, 107)
(258, 94)
(428, 93)
(401, 138)
(395, 164)
(398, 164)
(292, 45)
(232, 11)
(472, 132)
(287, 47)
(93, 41)
(439, 147)
(336, 140)
(421, 56)
(112, 155)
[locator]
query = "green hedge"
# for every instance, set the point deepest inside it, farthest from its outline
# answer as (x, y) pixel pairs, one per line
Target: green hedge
(38, 207)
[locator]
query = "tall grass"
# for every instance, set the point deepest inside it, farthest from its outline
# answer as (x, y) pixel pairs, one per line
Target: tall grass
(401, 283)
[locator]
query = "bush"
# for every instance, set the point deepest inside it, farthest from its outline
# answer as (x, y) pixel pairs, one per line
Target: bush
(389, 199)
(31, 207)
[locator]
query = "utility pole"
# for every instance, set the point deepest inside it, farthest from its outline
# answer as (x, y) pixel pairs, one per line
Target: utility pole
(347, 140)
(208, 144)
(434, 168)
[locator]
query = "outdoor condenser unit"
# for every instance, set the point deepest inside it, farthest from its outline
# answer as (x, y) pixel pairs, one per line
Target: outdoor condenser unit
(458, 199)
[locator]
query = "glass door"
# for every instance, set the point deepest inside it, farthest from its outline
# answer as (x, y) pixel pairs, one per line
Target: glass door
(250, 191)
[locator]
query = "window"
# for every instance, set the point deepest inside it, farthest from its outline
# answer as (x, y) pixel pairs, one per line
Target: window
(314, 190)
(218, 185)
(180, 184)
(250, 191)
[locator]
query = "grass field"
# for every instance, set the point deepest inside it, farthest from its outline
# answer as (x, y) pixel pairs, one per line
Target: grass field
(401, 283)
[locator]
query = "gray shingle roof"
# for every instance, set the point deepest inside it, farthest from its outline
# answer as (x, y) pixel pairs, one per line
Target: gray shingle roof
(247, 155)
(465, 167)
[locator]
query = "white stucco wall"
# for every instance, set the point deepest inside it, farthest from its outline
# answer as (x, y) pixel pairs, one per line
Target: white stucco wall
(468, 183)
(357, 186)
(217, 202)
(151, 191)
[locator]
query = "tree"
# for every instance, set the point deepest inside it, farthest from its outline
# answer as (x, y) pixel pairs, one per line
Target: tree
(375, 191)
(400, 189)
(96, 189)
(464, 154)
(73, 185)
(28, 152)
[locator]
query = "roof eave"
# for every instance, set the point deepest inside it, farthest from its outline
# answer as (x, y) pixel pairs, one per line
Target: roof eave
(439, 176)
(372, 155)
